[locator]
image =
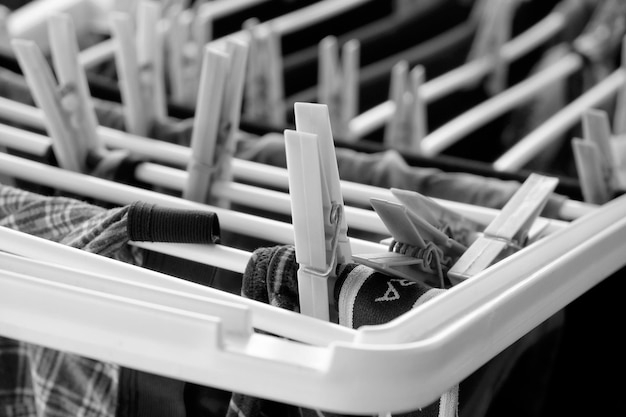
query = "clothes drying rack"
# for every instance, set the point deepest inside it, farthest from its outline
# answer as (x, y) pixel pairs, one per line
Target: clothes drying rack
(411, 360)
(100, 308)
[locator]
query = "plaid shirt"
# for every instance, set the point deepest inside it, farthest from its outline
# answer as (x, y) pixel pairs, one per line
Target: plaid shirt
(38, 381)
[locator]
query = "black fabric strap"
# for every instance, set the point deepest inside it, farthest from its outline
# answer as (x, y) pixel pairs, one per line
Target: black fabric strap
(150, 223)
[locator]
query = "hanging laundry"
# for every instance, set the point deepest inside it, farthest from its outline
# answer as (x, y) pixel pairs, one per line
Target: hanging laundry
(557, 157)
(40, 382)
(363, 296)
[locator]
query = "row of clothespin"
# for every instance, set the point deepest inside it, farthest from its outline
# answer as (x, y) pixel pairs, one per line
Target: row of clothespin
(170, 37)
(338, 78)
(169, 40)
(429, 242)
(158, 50)
(72, 123)
(320, 227)
(448, 245)
(407, 124)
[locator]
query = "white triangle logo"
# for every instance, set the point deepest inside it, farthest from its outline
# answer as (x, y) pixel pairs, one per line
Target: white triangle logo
(392, 293)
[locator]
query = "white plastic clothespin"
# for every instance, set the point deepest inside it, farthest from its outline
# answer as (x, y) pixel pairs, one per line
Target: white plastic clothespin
(70, 117)
(5, 46)
(320, 229)
(5, 36)
(338, 81)
(425, 249)
(216, 120)
(264, 90)
(453, 224)
(510, 231)
(140, 66)
(187, 34)
(183, 56)
(175, 4)
(126, 6)
(600, 158)
(426, 238)
(494, 28)
(619, 116)
(408, 125)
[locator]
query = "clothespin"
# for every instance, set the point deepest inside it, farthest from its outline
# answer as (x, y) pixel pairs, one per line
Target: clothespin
(140, 62)
(417, 246)
(5, 46)
(126, 6)
(619, 116)
(494, 27)
(599, 158)
(167, 5)
(453, 224)
(509, 231)
(180, 56)
(264, 91)
(5, 36)
(216, 120)
(602, 38)
(427, 238)
(320, 229)
(70, 118)
(408, 125)
(338, 81)
(187, 34)
(202, 24)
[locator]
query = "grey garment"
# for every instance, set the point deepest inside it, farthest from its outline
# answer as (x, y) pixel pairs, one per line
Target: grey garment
(389, 169)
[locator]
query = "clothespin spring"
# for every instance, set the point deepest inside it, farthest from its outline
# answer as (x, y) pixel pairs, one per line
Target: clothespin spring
(511, 245)
(68, 97)
(326, 278)
(430, 258)
(335, 218)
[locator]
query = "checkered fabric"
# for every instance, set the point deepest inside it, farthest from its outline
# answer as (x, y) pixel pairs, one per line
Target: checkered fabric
(37, 381)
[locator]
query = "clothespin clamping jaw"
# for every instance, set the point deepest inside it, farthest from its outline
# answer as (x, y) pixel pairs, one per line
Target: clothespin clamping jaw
(320, 229)
(426, 238)
(494, 19)
(140, 66)
(408, 125)
(510, 231)
(218, 111)
(264, 90)
(600, 159)
(70, 117)
(338, 82)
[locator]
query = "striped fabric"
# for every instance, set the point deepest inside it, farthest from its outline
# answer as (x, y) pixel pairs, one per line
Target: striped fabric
(363, 296)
